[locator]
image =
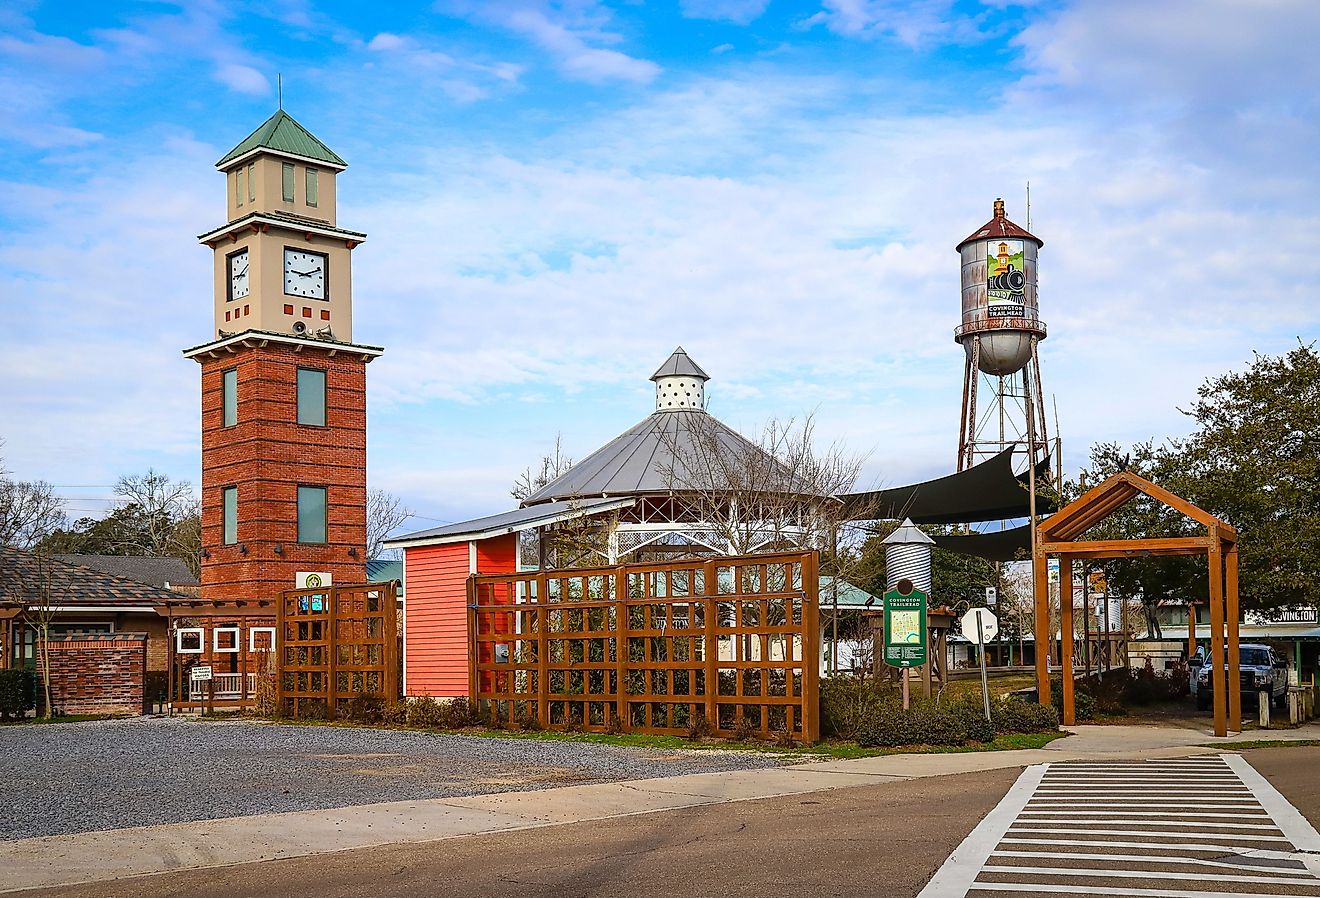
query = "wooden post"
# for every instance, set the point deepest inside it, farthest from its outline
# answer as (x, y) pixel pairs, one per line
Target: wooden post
(811, 649)
(1041, 578)
(1066, 638)
(1218, 678)
(543, 649)
(474, 626)
(1191, 630)
(620, 649)
(1231, 619)
(710, 638)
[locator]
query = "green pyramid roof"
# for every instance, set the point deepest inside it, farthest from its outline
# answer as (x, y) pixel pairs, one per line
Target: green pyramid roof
(282, 134)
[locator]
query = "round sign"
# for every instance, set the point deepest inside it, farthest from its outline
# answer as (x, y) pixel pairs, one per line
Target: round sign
(989, 625)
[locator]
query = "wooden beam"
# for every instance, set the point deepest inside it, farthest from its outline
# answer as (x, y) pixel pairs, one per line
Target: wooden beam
(1128, 548)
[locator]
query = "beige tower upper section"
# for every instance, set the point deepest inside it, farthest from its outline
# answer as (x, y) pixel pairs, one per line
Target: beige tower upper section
(282, 263)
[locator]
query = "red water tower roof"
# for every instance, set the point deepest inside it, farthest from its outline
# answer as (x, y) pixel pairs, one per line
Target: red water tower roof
(999, 227)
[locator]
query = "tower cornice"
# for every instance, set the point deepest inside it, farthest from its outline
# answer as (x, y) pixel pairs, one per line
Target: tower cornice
(297, 224)
(254, 339)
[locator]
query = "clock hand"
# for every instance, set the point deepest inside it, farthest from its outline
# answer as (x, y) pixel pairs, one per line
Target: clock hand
(243, 272)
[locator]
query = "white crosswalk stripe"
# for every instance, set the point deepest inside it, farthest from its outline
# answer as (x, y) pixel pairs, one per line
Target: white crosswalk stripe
(1205, 827)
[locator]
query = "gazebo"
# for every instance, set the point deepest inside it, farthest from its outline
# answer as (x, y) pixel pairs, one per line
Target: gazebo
(1062, 535)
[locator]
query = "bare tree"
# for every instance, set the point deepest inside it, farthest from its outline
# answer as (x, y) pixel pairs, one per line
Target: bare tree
(773, 493)
(29, 512)
(161, 504)
(39, 613)
(535, 477)
(385, 512)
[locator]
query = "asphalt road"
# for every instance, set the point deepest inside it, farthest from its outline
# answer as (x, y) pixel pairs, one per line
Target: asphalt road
(868, 841)
(874, 840)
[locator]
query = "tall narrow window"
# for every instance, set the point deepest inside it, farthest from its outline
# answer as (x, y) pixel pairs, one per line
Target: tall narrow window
(311, 514)
(311, 187)
(252, 180)
(229, 495)
(288, 182)
(229, 397)
(311, 396)
(238, 187)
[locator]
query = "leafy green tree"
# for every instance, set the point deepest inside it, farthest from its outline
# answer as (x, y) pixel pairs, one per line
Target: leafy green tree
(1254, 460)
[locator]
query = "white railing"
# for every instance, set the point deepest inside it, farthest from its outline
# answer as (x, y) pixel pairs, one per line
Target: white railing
(222, 686)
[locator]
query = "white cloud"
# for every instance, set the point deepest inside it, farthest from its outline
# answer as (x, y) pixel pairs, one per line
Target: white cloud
(740, 11)
(242, 78)
(571, 35)
(912, 22)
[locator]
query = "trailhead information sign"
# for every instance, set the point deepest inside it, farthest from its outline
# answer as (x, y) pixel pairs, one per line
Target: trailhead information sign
(905, 626)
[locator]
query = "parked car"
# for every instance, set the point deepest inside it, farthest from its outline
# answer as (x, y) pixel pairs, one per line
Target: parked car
(1260, 667)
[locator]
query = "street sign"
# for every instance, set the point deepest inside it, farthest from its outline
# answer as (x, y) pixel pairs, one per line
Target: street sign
(905, 626)
(988, 629)
(991, 595)
(201, 673)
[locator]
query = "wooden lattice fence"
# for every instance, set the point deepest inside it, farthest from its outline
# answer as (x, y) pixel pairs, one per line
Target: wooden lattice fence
(652, 648)
(337, 643)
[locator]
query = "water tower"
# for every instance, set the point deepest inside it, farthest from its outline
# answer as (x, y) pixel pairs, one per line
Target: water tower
(1000, 332)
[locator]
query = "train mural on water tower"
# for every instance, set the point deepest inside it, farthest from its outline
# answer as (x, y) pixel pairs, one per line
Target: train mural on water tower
(1000, 333)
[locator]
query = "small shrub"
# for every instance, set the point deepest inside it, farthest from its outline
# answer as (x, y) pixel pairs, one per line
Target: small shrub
(784, 738)
(425, 711)
(458, 713)
(970, 715)
(614, 725)
(699, 728)
(395, 714)
(18, 688)
(1014, 715)
(312, 710)
(365, 708)
(528, 721)
(744, 730)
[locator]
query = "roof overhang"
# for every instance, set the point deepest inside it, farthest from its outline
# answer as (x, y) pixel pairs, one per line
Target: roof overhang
(227, 164)
(509, 522)
(257, 222)
(260, 339)
(94, 609)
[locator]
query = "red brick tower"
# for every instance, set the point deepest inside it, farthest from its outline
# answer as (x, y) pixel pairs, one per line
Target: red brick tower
(284, 404)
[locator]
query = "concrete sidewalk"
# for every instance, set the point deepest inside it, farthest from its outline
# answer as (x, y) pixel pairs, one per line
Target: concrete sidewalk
(90, 857)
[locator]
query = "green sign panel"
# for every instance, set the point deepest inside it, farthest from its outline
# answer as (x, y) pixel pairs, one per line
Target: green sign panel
(905, 628)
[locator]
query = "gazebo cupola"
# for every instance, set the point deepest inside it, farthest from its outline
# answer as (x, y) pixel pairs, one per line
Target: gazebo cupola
(680, 383)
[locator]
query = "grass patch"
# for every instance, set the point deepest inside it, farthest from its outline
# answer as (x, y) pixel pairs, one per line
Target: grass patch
(1262, 743)
(834, 749)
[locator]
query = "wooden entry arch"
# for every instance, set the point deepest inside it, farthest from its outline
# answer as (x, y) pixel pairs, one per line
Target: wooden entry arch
(1061, 535)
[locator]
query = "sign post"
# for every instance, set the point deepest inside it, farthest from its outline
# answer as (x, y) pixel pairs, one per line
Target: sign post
(905, 630)
(982, 625)
(202, 673)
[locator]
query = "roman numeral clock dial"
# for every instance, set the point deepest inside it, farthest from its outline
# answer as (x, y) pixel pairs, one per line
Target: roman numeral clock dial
(304, 273)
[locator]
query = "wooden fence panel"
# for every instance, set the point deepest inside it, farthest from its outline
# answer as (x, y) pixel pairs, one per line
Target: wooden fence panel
(652, 648)
(337, 643)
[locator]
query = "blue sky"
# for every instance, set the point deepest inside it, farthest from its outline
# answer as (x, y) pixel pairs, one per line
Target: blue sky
(557, 194)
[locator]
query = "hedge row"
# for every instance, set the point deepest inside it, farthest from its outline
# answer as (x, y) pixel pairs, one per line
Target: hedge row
(872, 715)
(18, 691)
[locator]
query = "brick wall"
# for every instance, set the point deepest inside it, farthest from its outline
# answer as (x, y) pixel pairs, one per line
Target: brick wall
(97, 674)
(267, 455)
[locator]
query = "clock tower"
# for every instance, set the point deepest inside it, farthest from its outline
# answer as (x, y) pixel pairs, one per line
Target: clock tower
(284, 426)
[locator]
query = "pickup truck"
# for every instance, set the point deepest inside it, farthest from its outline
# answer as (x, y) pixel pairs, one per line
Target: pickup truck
(1261, 670)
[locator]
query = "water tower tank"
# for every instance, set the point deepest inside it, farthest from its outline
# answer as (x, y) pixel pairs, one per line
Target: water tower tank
(999, 302)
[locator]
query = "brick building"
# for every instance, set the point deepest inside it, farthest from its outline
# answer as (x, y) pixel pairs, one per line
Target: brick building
(284, 429)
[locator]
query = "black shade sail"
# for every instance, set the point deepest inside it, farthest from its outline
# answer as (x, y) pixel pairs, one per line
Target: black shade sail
(989, 491)
(996, 545)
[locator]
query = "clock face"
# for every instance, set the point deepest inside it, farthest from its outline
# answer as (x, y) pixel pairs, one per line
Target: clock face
(304, 273)
(240, 284)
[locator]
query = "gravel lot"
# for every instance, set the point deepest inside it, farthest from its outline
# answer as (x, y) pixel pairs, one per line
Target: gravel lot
(79, 777)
